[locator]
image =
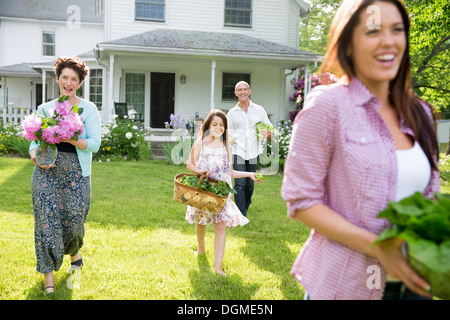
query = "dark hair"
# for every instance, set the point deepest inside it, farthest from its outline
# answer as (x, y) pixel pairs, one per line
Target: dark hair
(209, 117)
(401, 96)
(74, 63)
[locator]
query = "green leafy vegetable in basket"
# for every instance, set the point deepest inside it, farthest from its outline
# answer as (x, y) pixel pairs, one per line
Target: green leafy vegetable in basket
(425, 226)
(222, 188)
(189, 180)
(261, 126)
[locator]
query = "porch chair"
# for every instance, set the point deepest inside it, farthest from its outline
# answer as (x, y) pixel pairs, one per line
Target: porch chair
(121, 109)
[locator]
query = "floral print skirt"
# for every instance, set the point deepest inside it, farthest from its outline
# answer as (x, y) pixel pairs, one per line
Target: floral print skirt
(230, 214)
(61, 199)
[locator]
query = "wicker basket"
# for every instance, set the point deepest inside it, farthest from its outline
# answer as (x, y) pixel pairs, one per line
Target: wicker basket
(196, 197)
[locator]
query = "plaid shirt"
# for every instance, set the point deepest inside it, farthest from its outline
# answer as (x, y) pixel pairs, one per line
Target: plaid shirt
(342, 155)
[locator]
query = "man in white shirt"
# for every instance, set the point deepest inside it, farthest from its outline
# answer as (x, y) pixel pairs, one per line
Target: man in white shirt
(242, 120)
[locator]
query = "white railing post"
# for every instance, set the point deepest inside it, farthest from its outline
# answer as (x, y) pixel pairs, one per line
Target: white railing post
(14, 115)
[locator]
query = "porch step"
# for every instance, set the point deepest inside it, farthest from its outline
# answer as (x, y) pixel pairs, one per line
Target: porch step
(157, 150)
(157, 138)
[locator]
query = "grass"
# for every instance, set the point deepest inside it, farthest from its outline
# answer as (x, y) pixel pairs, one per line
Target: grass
(139, 246)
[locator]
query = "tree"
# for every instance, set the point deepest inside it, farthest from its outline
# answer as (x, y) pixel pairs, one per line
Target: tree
(314, 27)
(429, 49)
(429, 45)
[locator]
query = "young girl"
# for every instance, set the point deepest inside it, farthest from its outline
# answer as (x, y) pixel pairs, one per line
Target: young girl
(211, 155)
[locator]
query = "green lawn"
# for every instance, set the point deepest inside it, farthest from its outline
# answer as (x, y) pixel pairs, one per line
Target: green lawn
(138, 245)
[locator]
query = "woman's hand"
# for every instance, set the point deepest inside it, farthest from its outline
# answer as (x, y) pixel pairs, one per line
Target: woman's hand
(79, 143)
(389, 253)
(33, 158)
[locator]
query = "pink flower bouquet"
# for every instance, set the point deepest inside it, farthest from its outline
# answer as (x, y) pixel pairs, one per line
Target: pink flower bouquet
(64, 122)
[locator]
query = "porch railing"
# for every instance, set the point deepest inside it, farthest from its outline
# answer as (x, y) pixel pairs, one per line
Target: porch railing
(12, 114)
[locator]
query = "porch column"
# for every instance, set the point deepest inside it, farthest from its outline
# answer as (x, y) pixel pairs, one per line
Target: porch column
(110, 108)
(213, 80)
(54, 89)
(307, 82)
(44, 80)
(86, 87)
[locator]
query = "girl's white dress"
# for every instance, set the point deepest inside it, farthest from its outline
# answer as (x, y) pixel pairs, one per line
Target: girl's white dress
(215, 161)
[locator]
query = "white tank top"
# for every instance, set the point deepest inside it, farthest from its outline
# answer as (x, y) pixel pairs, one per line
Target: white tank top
(413, 171)
(413, 174)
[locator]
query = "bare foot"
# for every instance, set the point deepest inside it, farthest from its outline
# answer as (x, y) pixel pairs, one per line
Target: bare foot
(220, 272)
(199, 253)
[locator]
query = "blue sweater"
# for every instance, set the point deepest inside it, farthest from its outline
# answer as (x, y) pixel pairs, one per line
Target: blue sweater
(91, 132)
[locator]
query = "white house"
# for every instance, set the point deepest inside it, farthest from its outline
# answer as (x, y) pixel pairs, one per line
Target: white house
(157, 56)
(32, 35)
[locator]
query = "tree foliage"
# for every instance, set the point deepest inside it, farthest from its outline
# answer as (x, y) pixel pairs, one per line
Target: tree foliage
(429, 45)
(314, 27)
(430, 48)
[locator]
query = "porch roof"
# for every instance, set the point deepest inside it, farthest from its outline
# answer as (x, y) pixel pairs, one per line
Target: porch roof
(201, 43)
(35, 69)
(20, 69)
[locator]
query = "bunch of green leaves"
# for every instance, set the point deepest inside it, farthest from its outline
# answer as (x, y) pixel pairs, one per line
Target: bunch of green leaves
(189, 180)
(261, 126)
(222, 188)
(425, 226)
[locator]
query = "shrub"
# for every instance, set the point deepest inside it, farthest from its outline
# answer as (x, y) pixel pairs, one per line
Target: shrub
(123, 139)
(282, 136)
(298, 96)
(444, 168)
(12, 141)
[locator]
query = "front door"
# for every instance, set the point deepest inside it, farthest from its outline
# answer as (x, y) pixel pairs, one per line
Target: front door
(38, 94)
(162, 99)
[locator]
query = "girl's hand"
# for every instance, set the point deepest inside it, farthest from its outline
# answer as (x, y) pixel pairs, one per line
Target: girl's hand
(204, 174)
(252, 175)
(389, 254)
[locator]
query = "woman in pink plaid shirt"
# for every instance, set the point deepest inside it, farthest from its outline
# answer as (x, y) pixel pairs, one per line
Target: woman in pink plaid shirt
(355, 146)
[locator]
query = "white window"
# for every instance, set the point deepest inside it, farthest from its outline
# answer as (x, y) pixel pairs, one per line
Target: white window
(135, 91)
(152, 10)
(238, 13)
(229, 81)
(95, 87)
(48, 43)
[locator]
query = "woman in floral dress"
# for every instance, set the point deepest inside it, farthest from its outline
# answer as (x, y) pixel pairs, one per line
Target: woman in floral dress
(211, 155)
(61, 192)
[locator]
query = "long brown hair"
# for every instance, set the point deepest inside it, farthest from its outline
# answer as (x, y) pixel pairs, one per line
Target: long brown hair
(401, 97)
(209, 117)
